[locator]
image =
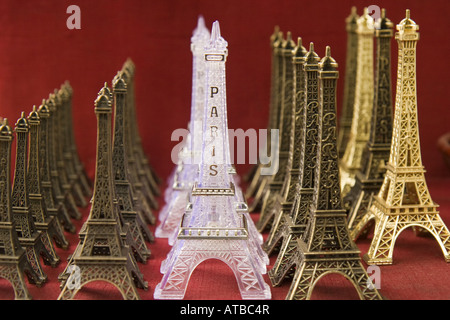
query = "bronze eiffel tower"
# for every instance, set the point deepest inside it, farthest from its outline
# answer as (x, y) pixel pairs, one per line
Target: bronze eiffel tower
(146, 171)
(345, 120)
(51, 190)
(71, 151)
(123, 188)
(102, 254)
(404, 200)
(369, 178)
(47, 225)
(57, 168)
(294, 224)
(326, 247)
(256, 180)
(66, 153)
(285, 198)
(13, 260)
(275, 182)
(29, 237)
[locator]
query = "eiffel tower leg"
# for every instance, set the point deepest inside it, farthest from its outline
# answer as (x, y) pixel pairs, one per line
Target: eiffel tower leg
(257, 199)
(35, 275)
(135, 228)
(85, 182)
(15, 276)
(266, 218)
(49, 253)
(175, 212)
(57, 234)
(116, 275)
(382, 247)
(145, 207)
(361, 228)
(278, 221)
(283, 264)
(78, 195)
(64, 218)
(71, 206)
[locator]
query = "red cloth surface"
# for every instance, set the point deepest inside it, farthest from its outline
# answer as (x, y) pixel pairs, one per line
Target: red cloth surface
(38, 53)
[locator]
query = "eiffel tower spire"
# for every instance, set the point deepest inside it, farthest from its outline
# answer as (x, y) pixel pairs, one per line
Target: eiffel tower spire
(326, 245)
(363, 105)
(404, 200)
(369, 177)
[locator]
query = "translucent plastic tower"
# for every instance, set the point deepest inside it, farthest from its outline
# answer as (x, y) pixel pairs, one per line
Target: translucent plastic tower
(214, 226)
(185, 173)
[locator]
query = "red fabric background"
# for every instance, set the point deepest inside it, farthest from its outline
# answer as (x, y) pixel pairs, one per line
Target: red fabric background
(38, 53)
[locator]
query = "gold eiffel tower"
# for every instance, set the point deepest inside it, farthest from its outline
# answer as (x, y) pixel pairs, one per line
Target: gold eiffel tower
(369, 177)
(345, 120)
(404, 200)
(326, 246)
(363, 105)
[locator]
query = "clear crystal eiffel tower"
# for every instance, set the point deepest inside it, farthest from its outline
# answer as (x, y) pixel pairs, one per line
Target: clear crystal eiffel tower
(213, 228)
(369, 177)
(345, 119)
(47, 225)
(293, 225)
(13, 261)
(285, 198)
(123, 188)
(186, 172)
(102, 253)
(404, 200)
(275, 182)
(326, 246)
(363, 105)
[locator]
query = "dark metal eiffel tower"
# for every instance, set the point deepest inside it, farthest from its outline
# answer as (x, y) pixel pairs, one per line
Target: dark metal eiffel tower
(326, 246)
(123, 189)
(102, 254)
(47, 225)
(345, 120)
(13, 260)
(285, 198)
(29, 237)
(51, 191)
(369, 178)
(294, 224)
(275, 182)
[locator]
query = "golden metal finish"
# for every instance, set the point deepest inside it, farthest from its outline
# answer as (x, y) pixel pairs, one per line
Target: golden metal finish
(13, 260)
(369, 178)
(102, 254)
(404, 200)
(275, 182)
(345, 120)
(362, 112)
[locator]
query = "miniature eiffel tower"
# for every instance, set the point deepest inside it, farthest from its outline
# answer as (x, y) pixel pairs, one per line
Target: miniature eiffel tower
(293, 225)
(363, 105)
(326, 245)
(68, 154)
(289, 190)
(29, 237)
(123, 188)
(256, 179)
(369, 177)
(404, 200)
(57, 168)
(13, 260)
(145, 169)
(102, 254)
(345, 120)
(186, 171)
(51, 191)
(275, 182)
(213, 228)
(47, 225)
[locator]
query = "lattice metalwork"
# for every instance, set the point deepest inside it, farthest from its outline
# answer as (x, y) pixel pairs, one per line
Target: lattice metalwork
(404, 200)
(369, 177)
(363, 105)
